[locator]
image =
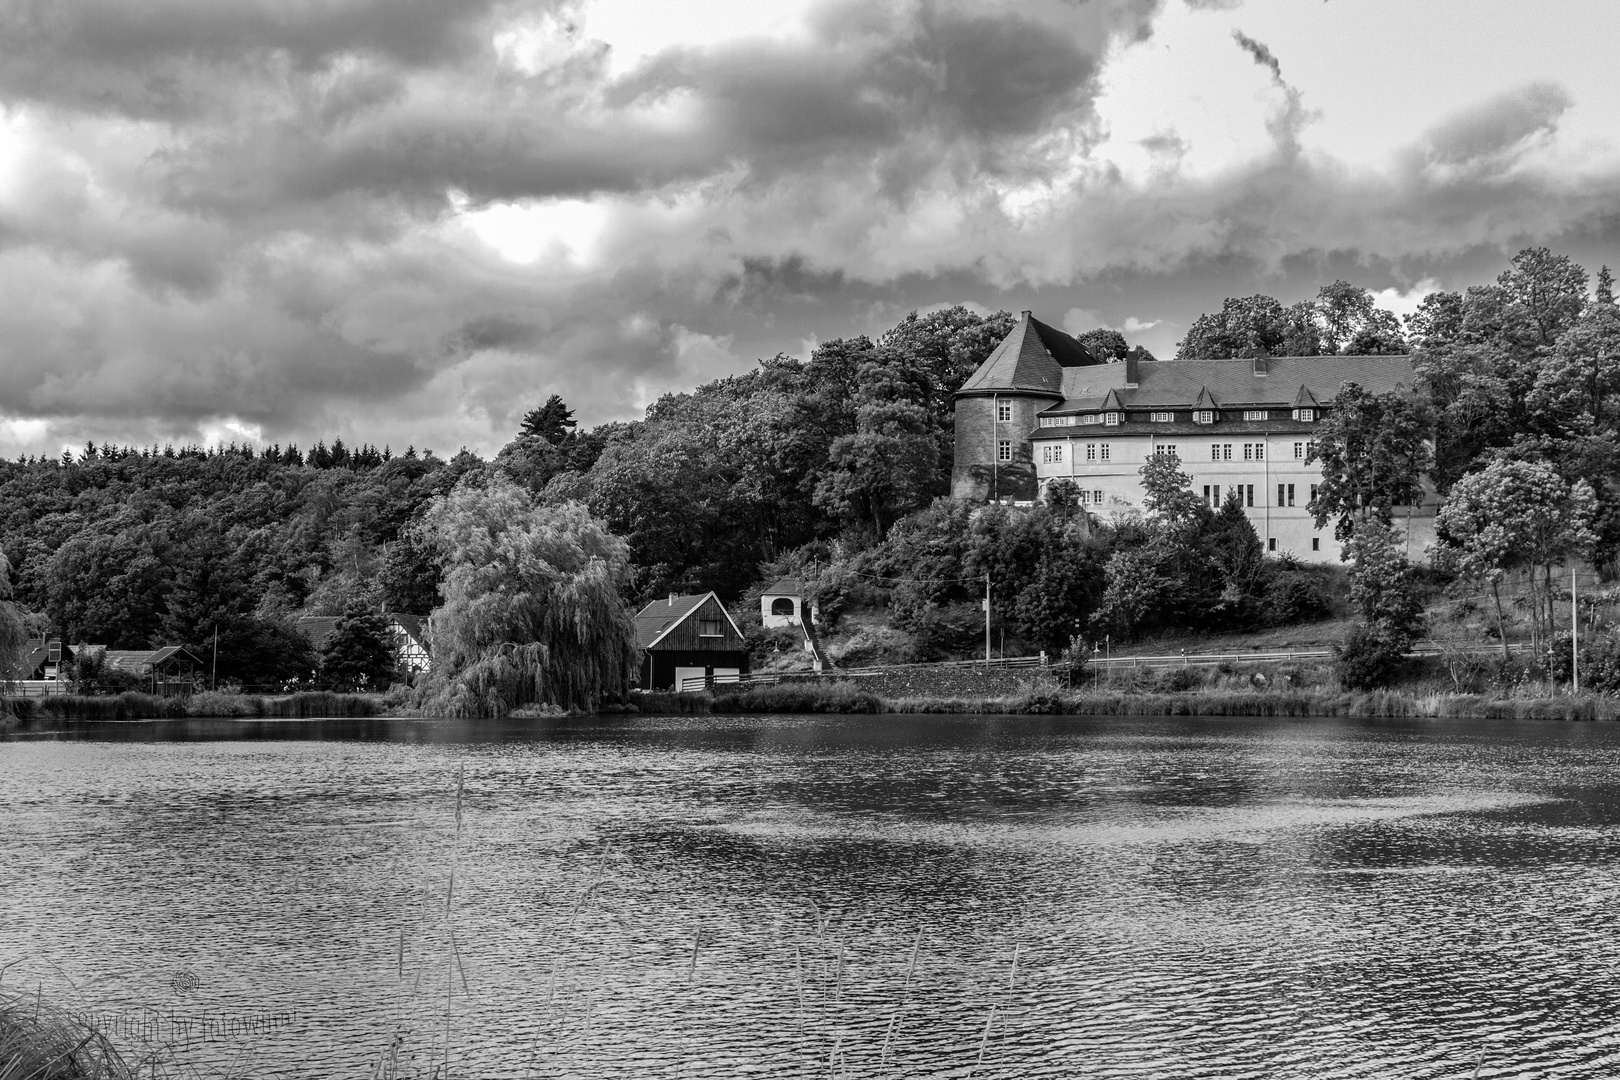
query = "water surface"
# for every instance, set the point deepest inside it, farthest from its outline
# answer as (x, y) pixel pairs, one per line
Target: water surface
(825, 896)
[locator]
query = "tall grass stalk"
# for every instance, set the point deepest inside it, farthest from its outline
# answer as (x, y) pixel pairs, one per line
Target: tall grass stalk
(450, 918)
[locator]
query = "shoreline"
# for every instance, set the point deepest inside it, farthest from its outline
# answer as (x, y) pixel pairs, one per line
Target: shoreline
(848, 699)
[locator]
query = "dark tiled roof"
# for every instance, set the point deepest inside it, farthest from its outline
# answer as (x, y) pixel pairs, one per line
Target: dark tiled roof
(412, 624)
(784, 587)
(1033, 357)
(660, 615)
(171, 652)
(137, 660)
(1231, 383)
(318, 628)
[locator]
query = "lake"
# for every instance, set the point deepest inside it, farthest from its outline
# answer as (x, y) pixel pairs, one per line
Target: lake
(824, 896)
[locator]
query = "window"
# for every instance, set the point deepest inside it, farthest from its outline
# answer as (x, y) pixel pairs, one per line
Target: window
(1316, 543)
(1091, 451)
(1282, 495)
(1052, 454)
(1164, 451)
(1299, 450)
(1271, 543)
(1049, 421)
(1259, 451)
(1091, 418)
(782, 605)
(1164, 417)
(1096, 497)
(1004, 450)
(1307, 415)
(1003, 411)
(1105, 451)
(1249, 495)
(1310, 448)
(1046, 455)
(710, 628)
(1226, 451)
(1111, 419)
(1214, 451)
(1255, 414)
(1212, 495)
(1204, 416)
(1313, 493)
(1290, 494)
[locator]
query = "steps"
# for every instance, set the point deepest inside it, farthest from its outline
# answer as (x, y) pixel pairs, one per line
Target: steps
(818, 658)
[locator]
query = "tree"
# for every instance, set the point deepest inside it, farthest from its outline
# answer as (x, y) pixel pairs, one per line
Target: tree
(1547, 290)
(13, 629)
(1105, 345)
(1374, 451)
(1437, 321)
(1516, 515)
(1248, 326)
(1168, 493)
(883, 470)
(551, 422)
(1385, 589)
(360, 654)
(532, 613)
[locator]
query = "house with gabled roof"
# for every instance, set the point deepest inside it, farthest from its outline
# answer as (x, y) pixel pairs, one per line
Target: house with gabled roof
(409, 634)
(687, 638)
(1039, 409)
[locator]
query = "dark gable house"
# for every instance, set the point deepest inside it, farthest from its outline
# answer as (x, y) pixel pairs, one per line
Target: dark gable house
(688, 637)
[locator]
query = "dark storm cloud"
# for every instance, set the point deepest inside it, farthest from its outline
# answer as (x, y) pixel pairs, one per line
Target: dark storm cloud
(245, 210)
(178, 58)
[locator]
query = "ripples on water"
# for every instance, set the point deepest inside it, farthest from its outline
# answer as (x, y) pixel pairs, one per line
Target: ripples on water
(1125, 898)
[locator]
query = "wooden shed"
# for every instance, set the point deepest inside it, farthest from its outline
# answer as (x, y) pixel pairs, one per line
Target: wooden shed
(686, 638)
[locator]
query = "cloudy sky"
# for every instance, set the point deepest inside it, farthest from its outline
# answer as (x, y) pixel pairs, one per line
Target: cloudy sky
(407, 221)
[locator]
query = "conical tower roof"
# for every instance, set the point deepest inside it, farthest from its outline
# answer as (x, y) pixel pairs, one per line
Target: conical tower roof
(1031, 359)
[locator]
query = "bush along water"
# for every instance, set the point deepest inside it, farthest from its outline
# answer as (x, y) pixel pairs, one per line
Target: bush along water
(134, 706)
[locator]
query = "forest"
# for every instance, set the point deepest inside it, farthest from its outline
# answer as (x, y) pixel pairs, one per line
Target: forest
(837, 467)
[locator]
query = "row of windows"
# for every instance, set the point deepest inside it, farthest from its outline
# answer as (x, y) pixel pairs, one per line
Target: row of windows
(1052, 453)
(1244, 494)
(1199, 416)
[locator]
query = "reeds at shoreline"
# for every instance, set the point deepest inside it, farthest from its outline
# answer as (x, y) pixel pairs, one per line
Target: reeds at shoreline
(136, 706)
(846, 697)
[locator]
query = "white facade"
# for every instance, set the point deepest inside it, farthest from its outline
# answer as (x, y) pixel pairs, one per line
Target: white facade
(1267, 470)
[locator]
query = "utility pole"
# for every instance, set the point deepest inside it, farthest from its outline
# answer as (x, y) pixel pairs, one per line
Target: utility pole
(986, 620)
(1574, 635)
(213, 680)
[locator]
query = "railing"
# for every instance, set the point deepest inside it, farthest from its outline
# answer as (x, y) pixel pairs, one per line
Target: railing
(33, 688)
(1103, 663)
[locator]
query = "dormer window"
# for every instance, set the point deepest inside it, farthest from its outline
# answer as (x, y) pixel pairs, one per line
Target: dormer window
(1204, 416)
(1307, 416)
(1254, 414)
(1164, 418)
(1111, 419)
(1091, 418)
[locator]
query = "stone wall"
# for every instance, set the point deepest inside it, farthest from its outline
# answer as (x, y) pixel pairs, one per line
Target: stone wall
(975, 473)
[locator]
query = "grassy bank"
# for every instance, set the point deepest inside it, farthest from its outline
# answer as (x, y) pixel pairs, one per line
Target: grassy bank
(846, 697)
(133, 706)
(41, 1042)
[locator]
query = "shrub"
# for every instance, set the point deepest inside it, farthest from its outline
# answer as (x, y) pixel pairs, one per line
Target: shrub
(1368, 659)
(1178, 680)
(1296, 596)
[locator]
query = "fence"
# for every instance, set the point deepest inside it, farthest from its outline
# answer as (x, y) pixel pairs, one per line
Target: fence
(34, 688)
(1100, 663)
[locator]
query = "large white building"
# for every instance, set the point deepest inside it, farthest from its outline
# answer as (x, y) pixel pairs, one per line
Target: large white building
(1040, 407)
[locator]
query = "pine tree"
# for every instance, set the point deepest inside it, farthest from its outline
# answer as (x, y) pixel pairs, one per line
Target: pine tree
(552, 421)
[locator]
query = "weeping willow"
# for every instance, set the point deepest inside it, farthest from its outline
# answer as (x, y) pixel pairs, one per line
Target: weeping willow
(13, 630)
(532, 611)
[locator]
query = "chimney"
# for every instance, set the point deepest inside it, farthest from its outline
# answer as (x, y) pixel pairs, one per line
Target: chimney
(1262, 365)
(671, 599)
(1026, 313)
(1133, 369)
